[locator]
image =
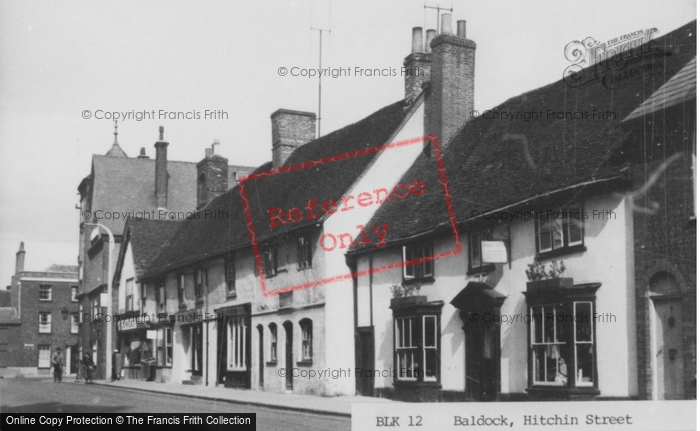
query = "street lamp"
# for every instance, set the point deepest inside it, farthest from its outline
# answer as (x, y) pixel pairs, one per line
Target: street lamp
(108, 349)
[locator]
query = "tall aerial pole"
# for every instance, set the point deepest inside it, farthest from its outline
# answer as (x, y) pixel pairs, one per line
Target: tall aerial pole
(437, 10)
(320, 66)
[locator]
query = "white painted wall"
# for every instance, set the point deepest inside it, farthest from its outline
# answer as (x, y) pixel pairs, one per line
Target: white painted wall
(608, 260)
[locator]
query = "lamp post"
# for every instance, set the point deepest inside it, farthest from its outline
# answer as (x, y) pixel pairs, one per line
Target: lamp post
(108, 342)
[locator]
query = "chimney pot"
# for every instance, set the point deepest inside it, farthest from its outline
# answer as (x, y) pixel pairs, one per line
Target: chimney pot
(446, 23)
(429, 36)
(207, 152)
(462, 28)
(417, 39)
(143, 154)
(161, 130)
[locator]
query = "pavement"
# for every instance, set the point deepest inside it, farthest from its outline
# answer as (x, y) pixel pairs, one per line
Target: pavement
(337, 406)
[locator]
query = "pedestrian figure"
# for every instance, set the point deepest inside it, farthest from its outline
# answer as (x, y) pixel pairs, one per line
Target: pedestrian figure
(57, 363)
(88, 366)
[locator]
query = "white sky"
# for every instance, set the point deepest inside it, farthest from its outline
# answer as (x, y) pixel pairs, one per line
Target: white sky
(58, 59)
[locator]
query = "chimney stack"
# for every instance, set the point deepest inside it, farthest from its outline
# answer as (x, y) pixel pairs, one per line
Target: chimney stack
(451, 96)
(290, 129)
(19, 261)
(161, 171)
(212, 176)
(429, 36)
(416, 68)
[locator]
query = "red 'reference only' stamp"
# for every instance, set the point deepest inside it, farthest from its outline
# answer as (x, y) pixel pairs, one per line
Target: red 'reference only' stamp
(315, 209)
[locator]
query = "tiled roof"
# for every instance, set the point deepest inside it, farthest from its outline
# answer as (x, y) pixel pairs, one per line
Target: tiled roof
(494, 164)
(148, 239)
(124, 184)
(201, 238)
(680, 88)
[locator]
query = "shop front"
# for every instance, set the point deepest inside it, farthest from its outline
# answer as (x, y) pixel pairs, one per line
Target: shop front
(233, 346)
(134, 347)
(190, 329)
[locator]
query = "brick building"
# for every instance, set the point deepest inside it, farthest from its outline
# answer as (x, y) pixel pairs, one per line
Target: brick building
(42, 316)
(154, 189)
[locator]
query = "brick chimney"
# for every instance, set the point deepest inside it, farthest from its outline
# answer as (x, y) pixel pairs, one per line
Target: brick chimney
(212, 176)
(161, 171)
(290, 129)
(19, 260)
(416, 66)
(451, 96)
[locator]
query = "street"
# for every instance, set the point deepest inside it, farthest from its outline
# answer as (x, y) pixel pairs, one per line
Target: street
(45, 396)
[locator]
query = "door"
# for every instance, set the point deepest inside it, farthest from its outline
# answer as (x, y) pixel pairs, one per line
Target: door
(288, 354)
(261, 357)
(196, 346)
(74, 359)
(668, 349)
(365, 361)
(482, 341)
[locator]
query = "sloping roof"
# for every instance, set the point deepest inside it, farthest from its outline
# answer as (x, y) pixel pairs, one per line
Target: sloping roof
(116, 151)
(680, 88)
(148, 239)
(8, 316)
(124, 184)
(492, 164)
(200, 238)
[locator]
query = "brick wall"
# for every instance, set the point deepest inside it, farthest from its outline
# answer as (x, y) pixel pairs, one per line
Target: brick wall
(290, 129)
(451, 97)
(665, 239)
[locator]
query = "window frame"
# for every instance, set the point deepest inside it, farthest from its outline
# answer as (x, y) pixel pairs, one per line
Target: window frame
(415, 314)
(236, 333)
(164, 347)
(566, 299)
(161, 299)
(49, 289)
(564, 225)
(75, 323)
(181, 289)
(271, 260)
(230, 268)
(45, 324)
(306, 340)
(200, 283)
(129, 291)
(47, 360)
(424, 269)
(74, 294)
(273, 342)
(144, 296)
(305, 252)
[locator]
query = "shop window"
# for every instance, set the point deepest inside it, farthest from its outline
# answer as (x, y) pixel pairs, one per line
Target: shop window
(418, 263)
(560, 229)
(417, 341)
(45, 292)
(562, 338)
(164, 349)
(236, 343)
(307, 339)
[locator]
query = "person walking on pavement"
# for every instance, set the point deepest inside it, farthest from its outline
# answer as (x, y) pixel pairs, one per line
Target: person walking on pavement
(57, 363)
(88, 366)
